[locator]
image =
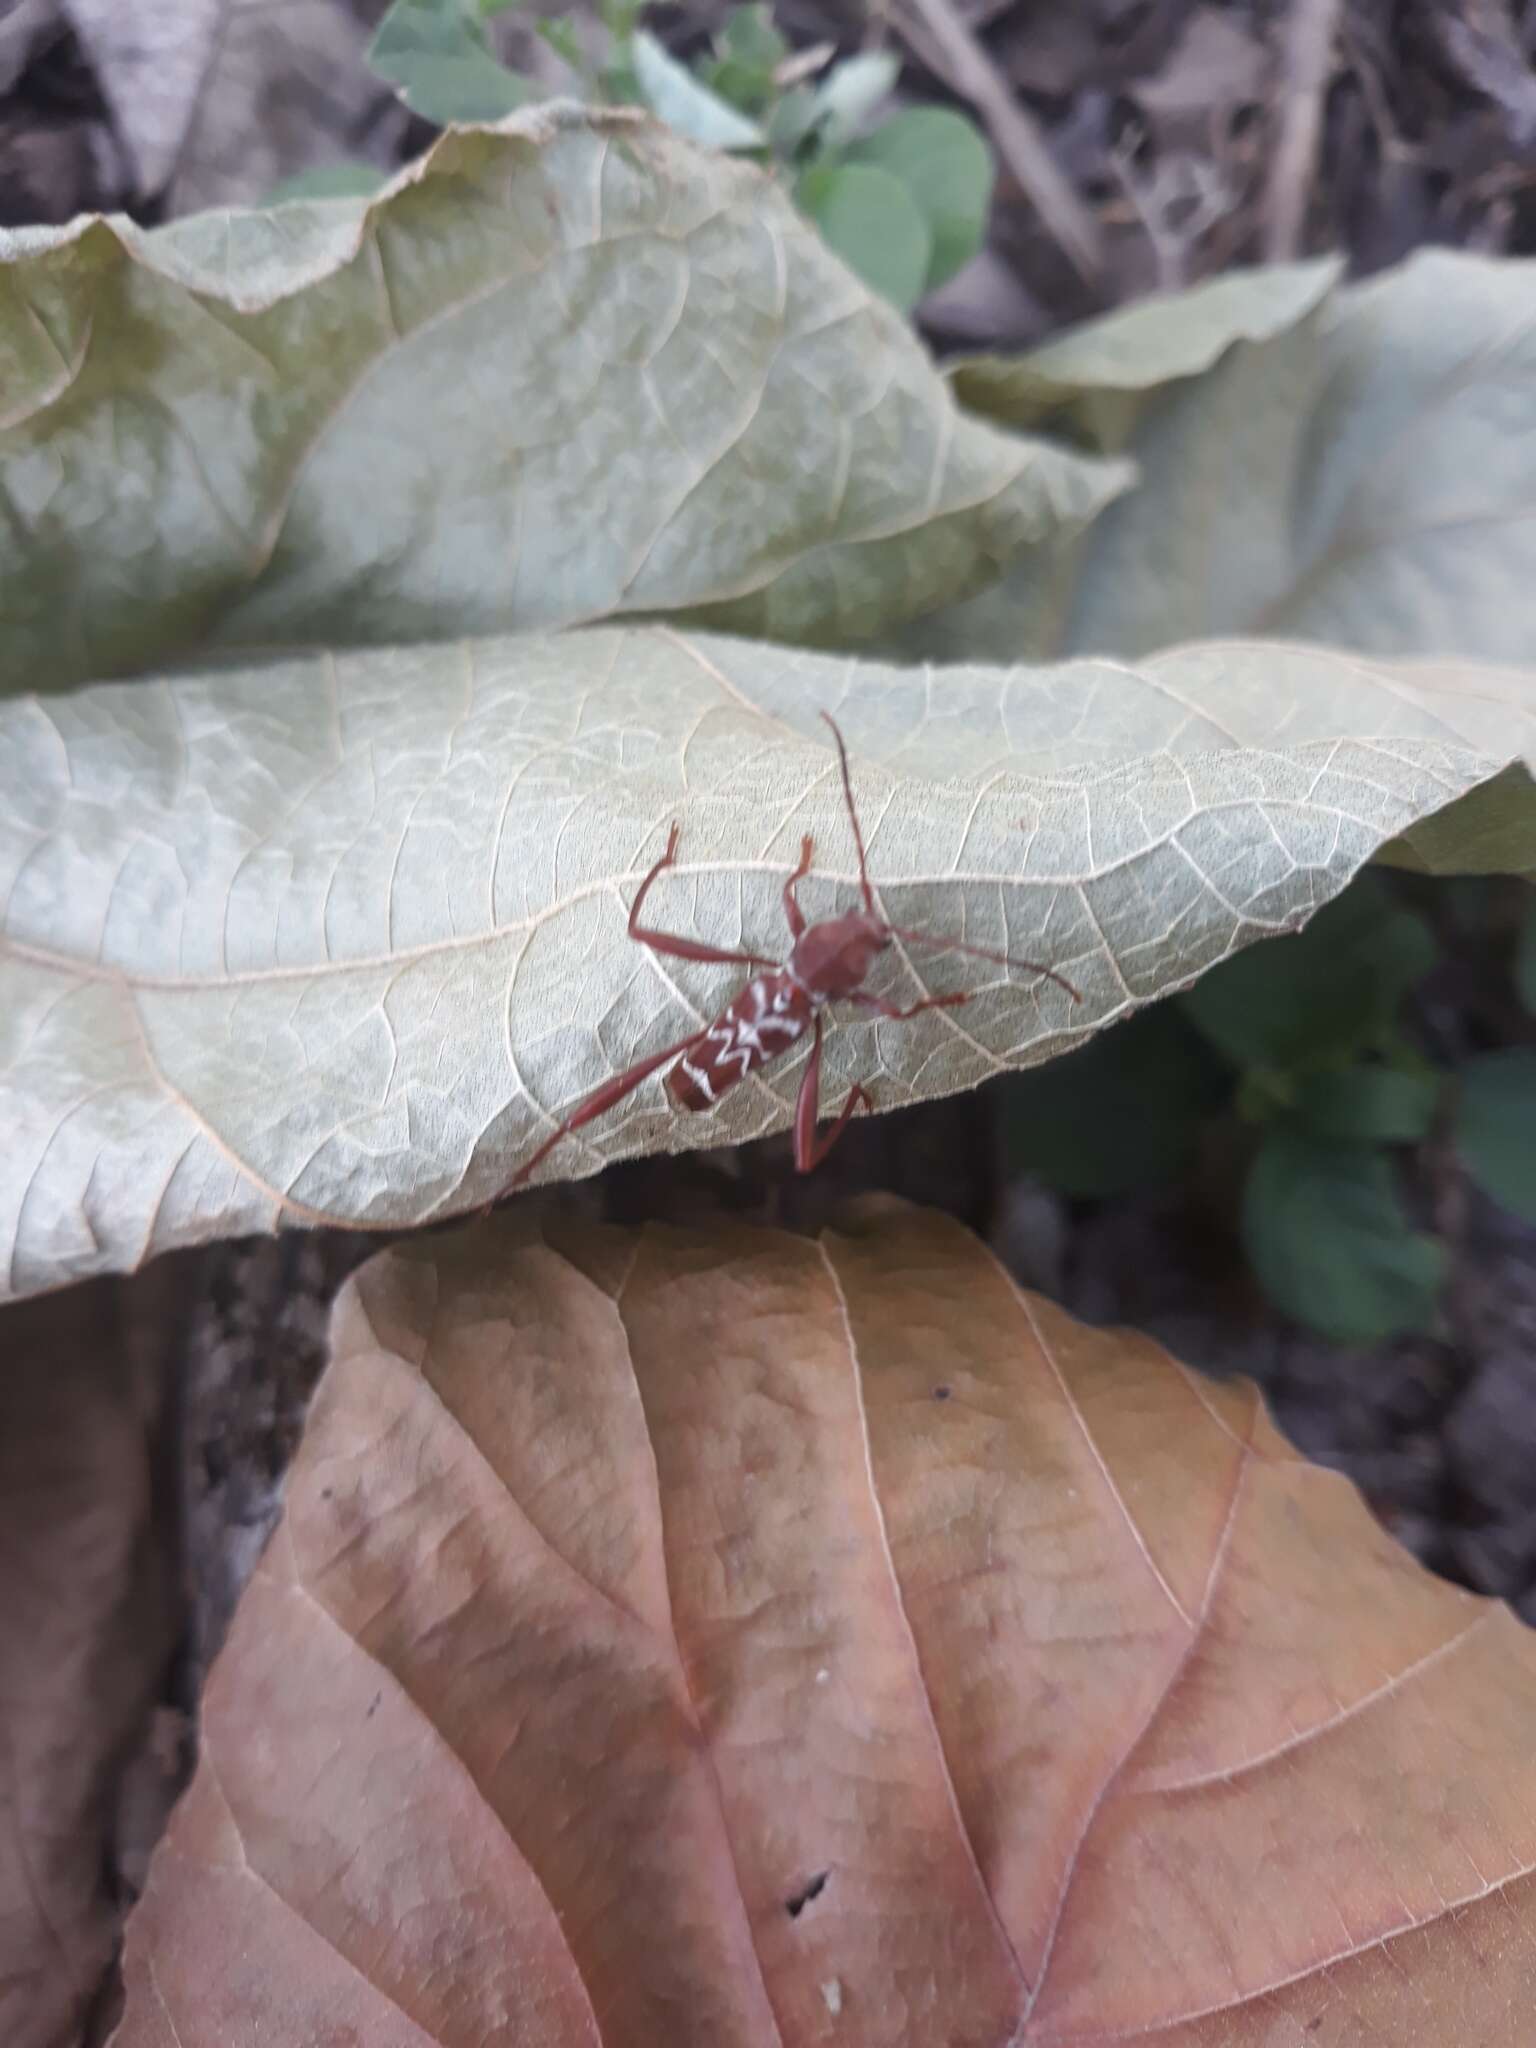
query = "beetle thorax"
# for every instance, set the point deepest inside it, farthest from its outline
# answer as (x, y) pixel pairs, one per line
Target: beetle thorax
(832, 959)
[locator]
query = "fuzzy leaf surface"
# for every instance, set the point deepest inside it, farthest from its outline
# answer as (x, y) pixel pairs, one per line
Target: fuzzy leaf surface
(1094, 382)
(1353, 466)
(748, 1640)
(559, 371)
(336, 938)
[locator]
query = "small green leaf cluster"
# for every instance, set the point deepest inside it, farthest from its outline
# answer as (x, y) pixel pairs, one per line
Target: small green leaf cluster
(902, 201)
(1300, 1043)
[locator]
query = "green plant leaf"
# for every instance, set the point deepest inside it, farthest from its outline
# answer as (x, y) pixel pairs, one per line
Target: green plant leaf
(570, 369)
(748, 36)
(562, 38)
(944, 162)
(618, 84)
(1123, 1112)
(675, 96)
(434, 53)
(1496, 1126)
(872, 221)
(749, 92)
(1362, 473)
(749, 51)
(790, 122)
(1327, 1238)
(1310, 999)
(849, 94)
(1379, 1104)
(328, 181)
(337, 937)
(1525, 958)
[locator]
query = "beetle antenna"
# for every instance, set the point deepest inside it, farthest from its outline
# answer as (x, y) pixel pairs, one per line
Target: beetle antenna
(981, 953)
(853, 816)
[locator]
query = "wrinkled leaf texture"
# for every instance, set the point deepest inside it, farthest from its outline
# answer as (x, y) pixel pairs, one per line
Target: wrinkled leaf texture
(333, 935)
(332, 939)
(1353, 465)
(739, 1639)
(565, 369)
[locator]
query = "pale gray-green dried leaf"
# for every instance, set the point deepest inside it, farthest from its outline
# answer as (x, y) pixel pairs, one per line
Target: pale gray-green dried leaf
(1364, 477)
(565, 369)
(1093, 382)
(336, 937)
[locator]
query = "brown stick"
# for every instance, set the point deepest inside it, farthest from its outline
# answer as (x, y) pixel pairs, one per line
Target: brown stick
(965, 66)
(1307, 60)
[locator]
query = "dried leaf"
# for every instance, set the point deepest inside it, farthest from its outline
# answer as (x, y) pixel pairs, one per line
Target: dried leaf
(731, 1638)
(151, 61)
(334, 939)
(566, 369)
(1215, 68)
(1364, 476)
(257, 116)
(1098, 382)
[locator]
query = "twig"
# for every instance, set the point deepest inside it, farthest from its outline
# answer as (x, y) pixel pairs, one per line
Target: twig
(966, 67)
(1307, 61)
(1176, 179)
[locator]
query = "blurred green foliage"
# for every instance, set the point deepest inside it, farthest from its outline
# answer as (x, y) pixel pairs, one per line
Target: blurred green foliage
(436, 56)
(1496, 1126)
(1328, 1239)
(1300, 1043)
(903, 200)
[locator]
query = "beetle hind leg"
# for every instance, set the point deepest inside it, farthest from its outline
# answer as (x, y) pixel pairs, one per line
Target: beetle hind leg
(812, 1148)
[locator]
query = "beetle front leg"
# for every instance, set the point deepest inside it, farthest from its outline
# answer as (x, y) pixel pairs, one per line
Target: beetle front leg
(671, 943)
(811, 1150)
(884, 1009)
(794, 916)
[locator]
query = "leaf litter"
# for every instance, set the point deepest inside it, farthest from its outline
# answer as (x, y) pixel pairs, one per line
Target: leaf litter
(718, 1597)
(1439, 176)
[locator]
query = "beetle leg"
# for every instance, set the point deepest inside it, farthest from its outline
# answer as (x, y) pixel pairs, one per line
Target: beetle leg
(670, 943)
(794, 916)
(608, 1096)
(811, 1150)
(884, 1009)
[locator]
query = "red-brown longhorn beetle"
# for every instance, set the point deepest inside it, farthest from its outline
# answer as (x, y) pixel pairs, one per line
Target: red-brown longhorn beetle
(829, 962)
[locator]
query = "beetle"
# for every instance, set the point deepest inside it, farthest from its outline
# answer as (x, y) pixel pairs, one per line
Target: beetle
(829, 962)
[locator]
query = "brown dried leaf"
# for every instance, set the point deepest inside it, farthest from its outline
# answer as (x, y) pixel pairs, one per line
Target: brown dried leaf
(731, 1638)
